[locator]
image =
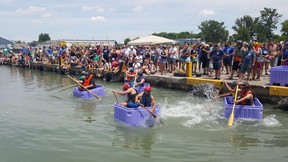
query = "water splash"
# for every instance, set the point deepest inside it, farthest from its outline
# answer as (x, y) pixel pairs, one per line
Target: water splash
(194, 109)
(271, 121)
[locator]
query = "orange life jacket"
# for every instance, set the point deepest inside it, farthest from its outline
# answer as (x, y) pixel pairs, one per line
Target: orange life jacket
(248, 101)
(86, 81)
(130, 78)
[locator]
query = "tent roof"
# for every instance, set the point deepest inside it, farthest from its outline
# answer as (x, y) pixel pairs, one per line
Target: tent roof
(5, 41)
(150, 40)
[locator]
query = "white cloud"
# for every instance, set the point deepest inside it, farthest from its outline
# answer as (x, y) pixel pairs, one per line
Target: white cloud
(47, 15)
(93, 8)
(138, 8)
(207, 12)
(30, 10)
(97, 19)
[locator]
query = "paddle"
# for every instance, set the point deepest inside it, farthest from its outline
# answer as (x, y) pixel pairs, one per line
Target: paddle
(115, 97)
(67, 87)
(231, 118)
(84, 87)
(220, 88)
(154, 116)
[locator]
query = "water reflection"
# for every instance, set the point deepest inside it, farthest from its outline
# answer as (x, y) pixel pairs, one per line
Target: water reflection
(86, 111)
(241, 140)
(134, 138)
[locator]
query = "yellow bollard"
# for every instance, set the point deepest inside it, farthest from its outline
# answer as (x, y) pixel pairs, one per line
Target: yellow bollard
(188, 69)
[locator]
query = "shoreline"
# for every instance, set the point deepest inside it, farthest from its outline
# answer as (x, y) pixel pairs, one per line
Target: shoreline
(264, 92)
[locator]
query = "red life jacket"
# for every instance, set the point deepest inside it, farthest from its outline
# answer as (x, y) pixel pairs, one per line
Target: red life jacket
(86, 81)
(130, 78)
(248, 101)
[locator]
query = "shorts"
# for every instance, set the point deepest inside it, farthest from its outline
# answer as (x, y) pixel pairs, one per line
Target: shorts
(163, 60)
(258, 65)
(227, 62)
(217, 66)
(182, 59)
(132, 105)
(235, 65)
(172, 60)
(246, 67)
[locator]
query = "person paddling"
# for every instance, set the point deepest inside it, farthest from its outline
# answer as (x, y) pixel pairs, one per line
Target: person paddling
(88, 82)
(131, 94)
(246, 96)
(231, 90)
(146, 99)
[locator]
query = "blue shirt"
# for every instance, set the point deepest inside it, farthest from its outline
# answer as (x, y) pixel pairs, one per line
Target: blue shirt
(285, 54)
(216, 55)
(228, 50)
(249, 56)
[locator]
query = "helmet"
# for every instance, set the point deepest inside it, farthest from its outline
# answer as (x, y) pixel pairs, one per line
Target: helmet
(131, 70)
(84, 73)
(245, 86)
(126, 86)
(148, 89)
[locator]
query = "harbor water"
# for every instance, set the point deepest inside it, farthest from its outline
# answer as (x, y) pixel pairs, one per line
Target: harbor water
(41, 121)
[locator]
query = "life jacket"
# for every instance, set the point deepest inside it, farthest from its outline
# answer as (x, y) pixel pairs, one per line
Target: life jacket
(130, 78)
(248, 101)
(146, 100)
(131, 97)
(86, 81)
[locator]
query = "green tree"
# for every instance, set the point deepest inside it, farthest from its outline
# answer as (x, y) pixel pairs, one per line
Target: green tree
(245, 27)
(213, 31)
(43, 37)
(126, 41)
(268, 21)
(284, 28)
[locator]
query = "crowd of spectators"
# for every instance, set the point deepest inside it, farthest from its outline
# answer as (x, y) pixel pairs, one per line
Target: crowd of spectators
(239, 59)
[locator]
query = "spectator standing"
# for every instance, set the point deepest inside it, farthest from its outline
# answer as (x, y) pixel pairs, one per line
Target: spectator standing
(173, 52)
(227, 60)
(238, 54)
(217, 57)
(247, 63)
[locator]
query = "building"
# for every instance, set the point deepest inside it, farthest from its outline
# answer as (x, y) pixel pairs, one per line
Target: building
(70, 42)
(189, 40)
(4, 43)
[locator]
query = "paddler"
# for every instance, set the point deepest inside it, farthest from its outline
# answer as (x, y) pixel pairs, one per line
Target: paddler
(146, 99)
(131, 94)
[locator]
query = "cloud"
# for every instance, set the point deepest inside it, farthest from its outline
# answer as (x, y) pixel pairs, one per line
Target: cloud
(97, 19)
(47, 15)
(93, 8)
(207, 12)
(31, 10)
(138, 8)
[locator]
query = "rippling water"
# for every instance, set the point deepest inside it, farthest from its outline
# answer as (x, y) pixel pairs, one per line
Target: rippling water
(40, 120)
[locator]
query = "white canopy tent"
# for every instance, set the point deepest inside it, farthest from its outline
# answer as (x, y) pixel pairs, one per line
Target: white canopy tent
(151, 40)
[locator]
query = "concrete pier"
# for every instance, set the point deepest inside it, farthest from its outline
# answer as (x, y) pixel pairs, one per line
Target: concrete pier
(263, 91)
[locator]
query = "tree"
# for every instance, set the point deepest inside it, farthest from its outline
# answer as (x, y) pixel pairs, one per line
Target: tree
(43, 37)
(268, 21)
(245, 27)
(284, 28)
(213, 31)
(127, 40)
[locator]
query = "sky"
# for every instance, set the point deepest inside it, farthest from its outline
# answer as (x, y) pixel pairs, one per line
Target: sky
(25, 20)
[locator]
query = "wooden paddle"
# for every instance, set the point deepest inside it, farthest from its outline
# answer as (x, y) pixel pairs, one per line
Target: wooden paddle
(154, 116)
(83, 87)
(115, 97)
(231, 118)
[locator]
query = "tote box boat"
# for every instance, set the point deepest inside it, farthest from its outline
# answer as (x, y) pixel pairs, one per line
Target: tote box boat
(243, 111)
(138, 117)
(98, 91)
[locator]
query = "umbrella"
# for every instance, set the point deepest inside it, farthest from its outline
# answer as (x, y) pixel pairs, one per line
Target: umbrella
(150, 40)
